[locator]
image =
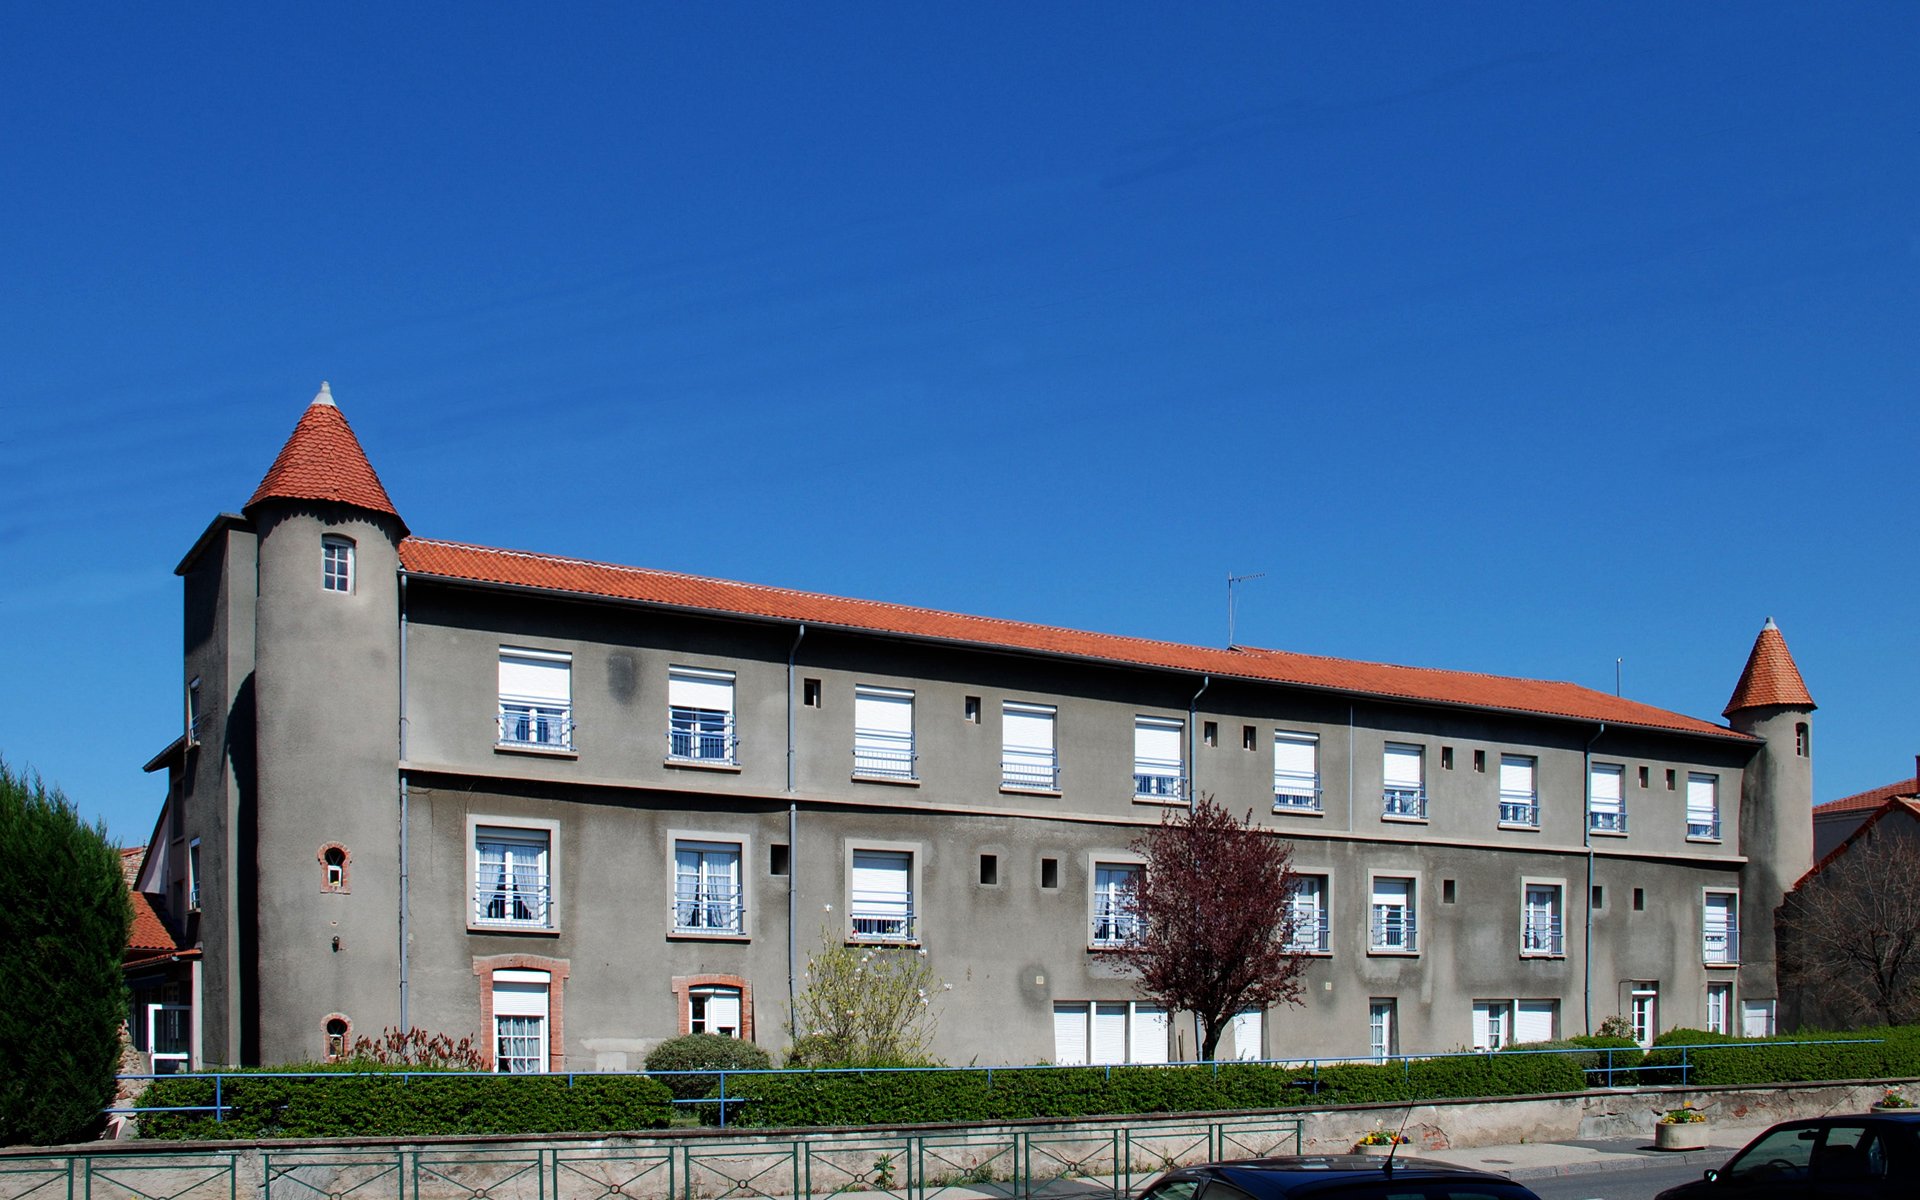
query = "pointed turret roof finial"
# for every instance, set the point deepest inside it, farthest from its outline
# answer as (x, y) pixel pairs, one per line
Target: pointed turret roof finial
(1771, 679)
(322, 460)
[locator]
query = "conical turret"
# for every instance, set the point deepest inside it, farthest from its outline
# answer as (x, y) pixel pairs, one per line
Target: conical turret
(1771, 679)
(322, 460)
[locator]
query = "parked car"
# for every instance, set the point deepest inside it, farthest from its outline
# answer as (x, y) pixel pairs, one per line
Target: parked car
(1333, 1177)
(1842, 1158)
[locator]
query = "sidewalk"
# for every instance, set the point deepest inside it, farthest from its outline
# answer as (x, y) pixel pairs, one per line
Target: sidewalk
(1539, 1160)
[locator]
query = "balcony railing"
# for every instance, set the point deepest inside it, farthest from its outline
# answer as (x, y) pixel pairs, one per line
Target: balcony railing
(883, 755)
(881, 916)
(1158, 779)
(1519, 808)
(1113, 925)
(1404, 802)
(1393, 929)
(1540, 934)
(1296, 791)
(1604, 820)
(1036, 769)
(701, 735)
(1703, 827)
(520, 900)
(709, 910)
(1720, 944)
(530, 723)
(1311, 934)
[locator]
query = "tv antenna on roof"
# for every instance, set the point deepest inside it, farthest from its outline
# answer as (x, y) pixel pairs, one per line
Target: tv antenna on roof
(1233, 580)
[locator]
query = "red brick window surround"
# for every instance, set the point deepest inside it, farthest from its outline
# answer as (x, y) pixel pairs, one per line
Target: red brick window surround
(336, 868)
(557, 969)
(336, 1035)
(683, 986)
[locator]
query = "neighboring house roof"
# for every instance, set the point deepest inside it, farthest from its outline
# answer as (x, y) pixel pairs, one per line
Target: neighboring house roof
(150, 933)
(543, 572)
(1898, 805)
(1872, 798)
(1771, 679)
(322, 460)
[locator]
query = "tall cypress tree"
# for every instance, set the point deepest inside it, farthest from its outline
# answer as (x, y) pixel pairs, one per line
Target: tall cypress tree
(64, 917)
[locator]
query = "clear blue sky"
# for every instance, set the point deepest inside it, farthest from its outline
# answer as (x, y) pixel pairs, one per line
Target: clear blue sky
(1512, 338)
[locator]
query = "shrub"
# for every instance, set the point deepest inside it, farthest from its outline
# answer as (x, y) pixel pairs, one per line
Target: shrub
(1783, 1059)
(416, 1047)
(704, 1052)
(349, 1099)
(64, 926)
(1601, 1052)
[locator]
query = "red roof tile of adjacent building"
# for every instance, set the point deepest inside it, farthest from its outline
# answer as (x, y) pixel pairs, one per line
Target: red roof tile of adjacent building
(1770, 678)
(150, 932)
(322, 460)
(1903, 805)
(1873, 798)
(480, 564)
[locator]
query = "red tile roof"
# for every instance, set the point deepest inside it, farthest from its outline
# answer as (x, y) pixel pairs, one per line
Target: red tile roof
(1770, 677)
(1872, 798)
(322, 460)
(452, 560)
(150, 932)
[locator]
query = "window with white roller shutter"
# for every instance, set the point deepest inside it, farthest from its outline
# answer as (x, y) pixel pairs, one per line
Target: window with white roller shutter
(1703, 806)
(1109, 1034)
(536, 698)
(1149, 1034)
(1606, 802)
(1028, 758)
(880, 903)
(1070, 1035)
(1519, 795)
(1404, 780)
(1393, 926)
(520, 1013)
(1534, 1020)
(700, 720)
(1156, 758)
(1296, 771)
(1243, 1028)
(883, 733)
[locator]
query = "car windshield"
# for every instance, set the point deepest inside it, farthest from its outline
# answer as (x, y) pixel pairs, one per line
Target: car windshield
(1836, 1152)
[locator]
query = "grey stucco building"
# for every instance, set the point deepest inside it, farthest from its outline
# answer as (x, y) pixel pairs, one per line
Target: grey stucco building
(573, 809)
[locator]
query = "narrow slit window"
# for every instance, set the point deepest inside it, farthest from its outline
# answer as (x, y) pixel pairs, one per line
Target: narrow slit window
(1480, 761)
(1248, 737)
(1049, 872)
(989, 869)
(779, 859)
(973, 709)
(1446, 758)
(810, 692)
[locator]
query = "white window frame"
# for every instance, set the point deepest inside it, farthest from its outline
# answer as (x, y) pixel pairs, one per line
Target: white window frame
(1382, 935)
(1144, 1035)
(336, 564)
(1720, 940)
(193, 875)
(1643, 1011)
(881, 750)
(1519, 806)
(544, 872)
(894, 920)
(1383, 1019)
(1029, 768)
(698, 909)
(1543, 910)
(1398, 800)
(1156, 777)
(1110, 923)
(702, 1014)
(701, 734)
(522, 1014)
(1703, 820)
(1492, 1024)
(1607, 817)
(1312, 905)
(529, 721)
(1719, 1007)
(1296, 790)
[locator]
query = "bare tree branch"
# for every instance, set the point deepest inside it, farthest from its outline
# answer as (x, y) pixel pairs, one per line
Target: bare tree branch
(1851, 934)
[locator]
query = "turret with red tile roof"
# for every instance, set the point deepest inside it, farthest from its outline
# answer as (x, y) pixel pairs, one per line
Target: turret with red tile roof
(1771, 678)
(323, 460)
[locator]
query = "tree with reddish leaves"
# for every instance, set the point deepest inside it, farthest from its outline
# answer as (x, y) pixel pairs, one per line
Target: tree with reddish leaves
(1211, 919)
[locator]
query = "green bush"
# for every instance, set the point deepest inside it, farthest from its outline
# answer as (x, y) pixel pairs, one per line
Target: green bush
(383, 1102)
(704, 1052)
(1787, 1058)
(64, 926)
(1621, 1053)
(912, 1097)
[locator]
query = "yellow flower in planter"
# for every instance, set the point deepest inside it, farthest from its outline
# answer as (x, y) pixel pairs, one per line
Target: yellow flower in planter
(1686, 1114)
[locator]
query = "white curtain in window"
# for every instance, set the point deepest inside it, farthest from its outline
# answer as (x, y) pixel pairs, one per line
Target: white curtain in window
(535, 675)
(1490, 1024)
(1402, 766)
(691, 687)
(1109, 1033)
(1534, 1021)
(1070, 1035)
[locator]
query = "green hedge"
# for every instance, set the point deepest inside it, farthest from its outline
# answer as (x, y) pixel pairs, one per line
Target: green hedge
(1784, 1059)
(383, 1104)
(909, 1097)
(1592, 1053)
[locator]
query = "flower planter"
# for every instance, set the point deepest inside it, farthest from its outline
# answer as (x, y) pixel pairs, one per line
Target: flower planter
(1372, 1150)
(1893, 1108)
(1682, 1135)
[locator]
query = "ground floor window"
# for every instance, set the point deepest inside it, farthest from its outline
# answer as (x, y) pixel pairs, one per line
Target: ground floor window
(1119, 1031)
(520, 1015)
(1244, 1032)
(1492, 1024)
(1719, 1008)
(1382, 1032)
(1756, 1018)
(1644, 1012)
(714, 1009)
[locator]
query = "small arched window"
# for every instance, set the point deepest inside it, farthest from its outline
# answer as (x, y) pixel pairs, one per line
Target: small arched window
(338, 1030)
(334, 862)
(336, 563)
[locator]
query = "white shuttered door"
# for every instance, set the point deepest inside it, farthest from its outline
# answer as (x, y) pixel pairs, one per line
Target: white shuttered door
(1149, 1033)
(1070, 1035)
(1109, 1033)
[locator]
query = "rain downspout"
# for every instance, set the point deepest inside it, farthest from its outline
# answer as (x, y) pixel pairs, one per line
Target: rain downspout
(1586, 901)
(793, 843)
(1192, 714)
(405, 1023)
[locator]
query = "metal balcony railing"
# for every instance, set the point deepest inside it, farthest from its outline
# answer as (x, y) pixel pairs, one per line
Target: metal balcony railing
(1158, 778)
(539, 724)
(521, 899)
(883, 755)
(709, 910)
(1519, 808)
(701, 735)
(1404, 802)
(1037, 769)
(1703, 827)
(1720, 944)
(1311, 934)
(881, 916)
(1541, 934)
(1298, 791)
(1602, 820)
(1113, 925)
(1393, 929)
